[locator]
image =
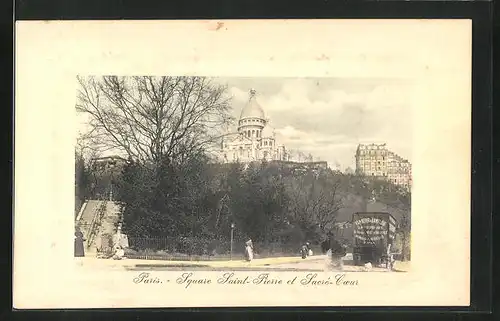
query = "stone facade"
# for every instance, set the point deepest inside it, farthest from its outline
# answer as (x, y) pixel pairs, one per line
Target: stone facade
(253, 140)
(376, 160)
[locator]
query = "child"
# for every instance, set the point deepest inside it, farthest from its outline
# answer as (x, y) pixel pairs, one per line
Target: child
(119, 253)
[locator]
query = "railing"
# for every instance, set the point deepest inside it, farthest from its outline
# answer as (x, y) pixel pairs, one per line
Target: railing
(96, 222)
(200, 249)
(82, 209)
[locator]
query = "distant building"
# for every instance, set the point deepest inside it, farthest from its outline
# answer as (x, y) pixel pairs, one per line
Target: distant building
(376, 160)
(253, 140)
(108, 163)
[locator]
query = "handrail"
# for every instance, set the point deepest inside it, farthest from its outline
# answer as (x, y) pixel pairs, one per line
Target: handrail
(80, 213)
(99, 213)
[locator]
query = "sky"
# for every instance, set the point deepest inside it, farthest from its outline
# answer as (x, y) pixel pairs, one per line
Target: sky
(329, 117)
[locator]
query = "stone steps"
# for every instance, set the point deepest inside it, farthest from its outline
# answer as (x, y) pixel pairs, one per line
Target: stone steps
(107, 227)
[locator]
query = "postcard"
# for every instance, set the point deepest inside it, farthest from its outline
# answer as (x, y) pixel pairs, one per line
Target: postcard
(242, 163)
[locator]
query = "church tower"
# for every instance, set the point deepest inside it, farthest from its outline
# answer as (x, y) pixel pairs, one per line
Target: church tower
(252, 118)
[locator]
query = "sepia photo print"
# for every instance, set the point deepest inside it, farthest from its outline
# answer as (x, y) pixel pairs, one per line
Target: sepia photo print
(292, 174)
(242, 163)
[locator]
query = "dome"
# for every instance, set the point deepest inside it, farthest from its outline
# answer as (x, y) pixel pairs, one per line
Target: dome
(252, 108)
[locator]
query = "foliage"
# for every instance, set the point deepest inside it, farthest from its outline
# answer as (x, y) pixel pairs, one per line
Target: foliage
(81, 184)
(169, 188)
(314, 202)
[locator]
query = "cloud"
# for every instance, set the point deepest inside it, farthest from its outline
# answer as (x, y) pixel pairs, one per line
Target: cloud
(238, 94)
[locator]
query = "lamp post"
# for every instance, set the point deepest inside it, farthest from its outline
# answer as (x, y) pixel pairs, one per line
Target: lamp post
(111, 182)
(232, 234)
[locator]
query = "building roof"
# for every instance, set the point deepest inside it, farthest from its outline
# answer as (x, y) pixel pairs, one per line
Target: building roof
(109, 158)
(252, 109)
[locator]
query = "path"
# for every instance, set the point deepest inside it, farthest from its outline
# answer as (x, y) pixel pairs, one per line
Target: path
(318, 263)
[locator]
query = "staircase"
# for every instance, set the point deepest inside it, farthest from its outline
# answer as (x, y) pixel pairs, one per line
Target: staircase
(86, 216)
(97, 220)
(107, 228)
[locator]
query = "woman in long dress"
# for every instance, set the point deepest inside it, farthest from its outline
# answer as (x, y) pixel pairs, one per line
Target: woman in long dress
(249, 250)
(79, 239)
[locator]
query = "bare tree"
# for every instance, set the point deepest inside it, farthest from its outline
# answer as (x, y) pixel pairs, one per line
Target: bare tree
(315, 203)
(87, 148)
(153, 118)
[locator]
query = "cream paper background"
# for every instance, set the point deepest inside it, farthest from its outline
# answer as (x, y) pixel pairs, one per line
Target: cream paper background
(49, 55)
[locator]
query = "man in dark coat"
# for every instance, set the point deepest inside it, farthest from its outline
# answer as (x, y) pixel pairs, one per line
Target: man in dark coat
(79, 239)
(337, 250)
(325, 246)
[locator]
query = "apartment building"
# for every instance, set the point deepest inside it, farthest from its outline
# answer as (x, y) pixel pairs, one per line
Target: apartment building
(378, 161)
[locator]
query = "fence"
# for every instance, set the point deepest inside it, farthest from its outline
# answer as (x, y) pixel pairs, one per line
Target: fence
(201, 249)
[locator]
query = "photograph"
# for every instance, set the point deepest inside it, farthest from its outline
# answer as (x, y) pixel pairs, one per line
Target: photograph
(273, 174)
(242, 163)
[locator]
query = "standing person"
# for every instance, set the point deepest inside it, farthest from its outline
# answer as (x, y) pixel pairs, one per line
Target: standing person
(79, 239)
(309, 250)
(304, 250)
(338, 251)
(249, 250)
(325, 246)
(389, 256)
(117, 238)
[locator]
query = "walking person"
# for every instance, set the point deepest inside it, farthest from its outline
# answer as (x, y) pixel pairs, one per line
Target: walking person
(304, 251)
(249, 250)
(325, 246)
(309, 250)
(79, 239)
(338, 251)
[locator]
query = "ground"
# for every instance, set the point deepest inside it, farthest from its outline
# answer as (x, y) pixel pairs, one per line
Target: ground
(317, 263)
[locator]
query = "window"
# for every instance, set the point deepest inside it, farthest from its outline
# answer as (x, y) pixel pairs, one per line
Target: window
(265, 143)
(248, 133)
(253, 133)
